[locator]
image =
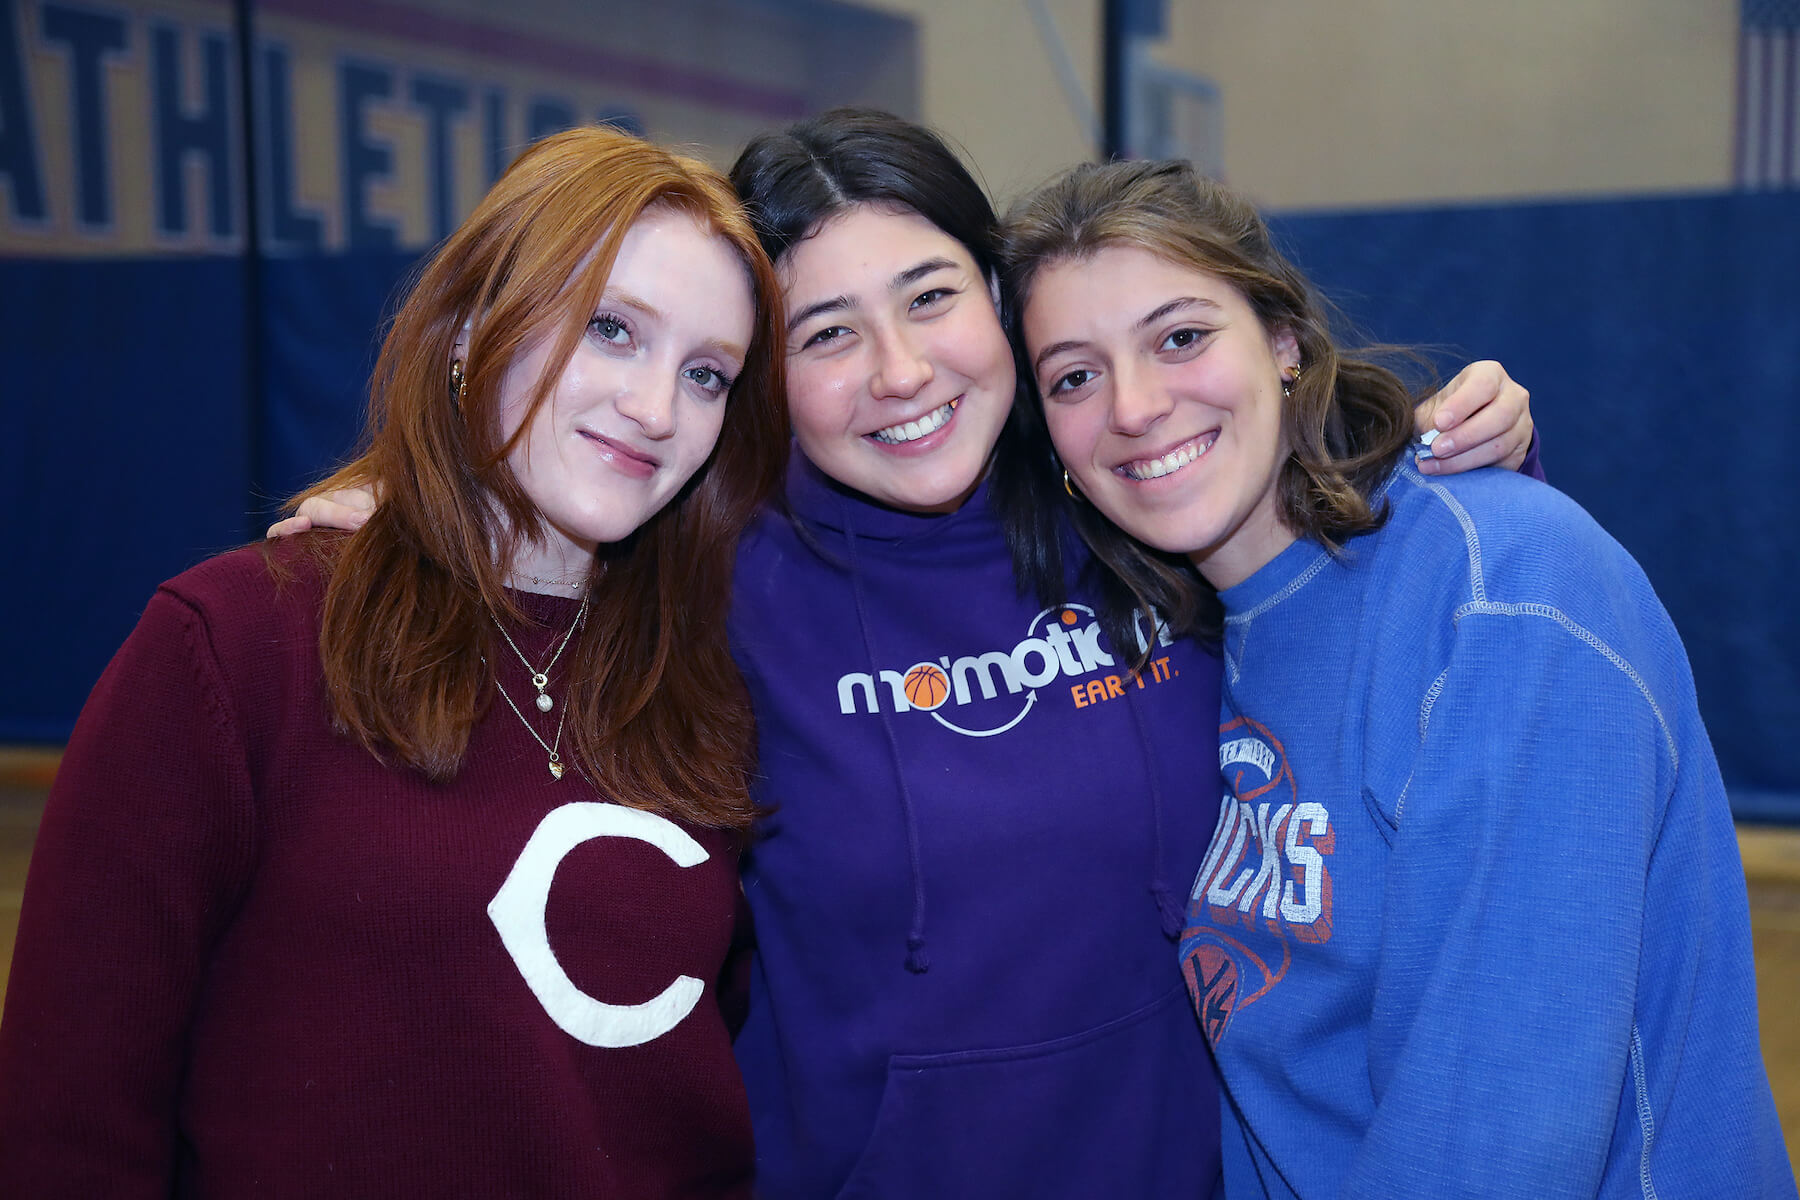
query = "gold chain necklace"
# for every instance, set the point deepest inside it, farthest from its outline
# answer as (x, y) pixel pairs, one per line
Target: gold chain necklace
(541, 679)
(550, 748)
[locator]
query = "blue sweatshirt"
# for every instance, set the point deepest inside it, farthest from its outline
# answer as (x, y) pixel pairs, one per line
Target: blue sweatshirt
(1472, 921)
(963, 982)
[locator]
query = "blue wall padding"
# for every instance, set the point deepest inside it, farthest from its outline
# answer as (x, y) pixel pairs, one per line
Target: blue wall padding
(1660, 340)
(124, 458)
(1661, 343)
(323, 322)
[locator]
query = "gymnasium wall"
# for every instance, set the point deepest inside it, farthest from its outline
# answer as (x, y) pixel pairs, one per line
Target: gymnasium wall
(194, 273)
(1597, 192)
(1602, 195)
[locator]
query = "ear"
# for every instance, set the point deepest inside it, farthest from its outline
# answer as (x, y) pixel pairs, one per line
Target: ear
(1286, 348)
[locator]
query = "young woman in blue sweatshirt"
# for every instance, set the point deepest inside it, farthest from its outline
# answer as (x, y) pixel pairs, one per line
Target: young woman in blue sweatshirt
(967, 887)
(1472, 920)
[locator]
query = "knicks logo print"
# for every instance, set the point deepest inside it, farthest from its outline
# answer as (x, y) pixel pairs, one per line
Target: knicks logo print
(1264, 884)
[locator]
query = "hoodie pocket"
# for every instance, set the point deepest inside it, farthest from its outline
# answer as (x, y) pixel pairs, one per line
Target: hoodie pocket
(1128, 1107)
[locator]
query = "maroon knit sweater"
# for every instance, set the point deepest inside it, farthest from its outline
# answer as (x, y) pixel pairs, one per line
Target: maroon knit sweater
(253, 961)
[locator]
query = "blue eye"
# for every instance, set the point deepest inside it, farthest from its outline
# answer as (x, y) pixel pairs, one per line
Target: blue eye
(714, 381)
(611, 329)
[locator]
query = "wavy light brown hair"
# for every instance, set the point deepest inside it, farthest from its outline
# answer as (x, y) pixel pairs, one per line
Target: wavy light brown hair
(1347, 418)
(657, 715)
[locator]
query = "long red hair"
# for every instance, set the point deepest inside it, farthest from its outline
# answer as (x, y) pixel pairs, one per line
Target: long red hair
(657, 715)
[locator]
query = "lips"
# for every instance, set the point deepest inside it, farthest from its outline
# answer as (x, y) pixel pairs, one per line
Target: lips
(911, 431)
(1176, 458)
(626, 459)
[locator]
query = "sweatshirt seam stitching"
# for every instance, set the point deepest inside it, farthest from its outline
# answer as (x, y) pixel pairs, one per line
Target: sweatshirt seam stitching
(1241, 621)
(1471, 538)
(1581, 633)
(1646, 1118)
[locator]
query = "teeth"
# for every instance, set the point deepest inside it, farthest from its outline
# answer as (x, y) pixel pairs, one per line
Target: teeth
(912, 431)
(1168, 464)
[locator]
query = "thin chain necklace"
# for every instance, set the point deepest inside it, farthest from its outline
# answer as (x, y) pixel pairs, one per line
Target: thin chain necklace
(541, 679)
(574, 585)
(550, 748)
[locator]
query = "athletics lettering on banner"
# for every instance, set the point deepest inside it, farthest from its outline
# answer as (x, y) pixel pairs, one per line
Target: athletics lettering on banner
(376, 128)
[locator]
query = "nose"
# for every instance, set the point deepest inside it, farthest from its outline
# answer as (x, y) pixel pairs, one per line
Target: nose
(1138, 402)
(649, 403)
(901, 369)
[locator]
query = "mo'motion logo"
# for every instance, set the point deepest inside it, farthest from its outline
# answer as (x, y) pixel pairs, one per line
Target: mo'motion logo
(980, 695)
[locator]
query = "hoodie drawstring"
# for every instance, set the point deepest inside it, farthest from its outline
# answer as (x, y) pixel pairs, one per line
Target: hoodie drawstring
(916, 959)
(1173, 918)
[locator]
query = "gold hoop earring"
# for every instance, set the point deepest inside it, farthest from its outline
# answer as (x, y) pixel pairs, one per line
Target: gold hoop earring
(459, 382)
(1288, 382)
(1069, 487)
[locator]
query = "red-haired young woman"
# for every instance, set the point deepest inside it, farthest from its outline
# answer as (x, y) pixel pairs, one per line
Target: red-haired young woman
(404, 863)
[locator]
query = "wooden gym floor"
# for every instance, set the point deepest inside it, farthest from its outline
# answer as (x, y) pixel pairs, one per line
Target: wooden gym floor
(1771, 867)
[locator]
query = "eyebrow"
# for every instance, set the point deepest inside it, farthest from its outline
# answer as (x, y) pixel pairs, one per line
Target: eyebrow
(915, 273)
(906, 278)
(730, 350)
(812, 310)
(1146, 321)
(1051, 351)
(626, 300)
(1173, 306)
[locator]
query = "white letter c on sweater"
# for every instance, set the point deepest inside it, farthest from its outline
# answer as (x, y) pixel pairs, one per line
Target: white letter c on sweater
(517, 911)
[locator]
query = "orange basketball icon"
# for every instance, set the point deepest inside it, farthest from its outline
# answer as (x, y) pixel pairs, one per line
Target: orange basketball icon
(926, 686)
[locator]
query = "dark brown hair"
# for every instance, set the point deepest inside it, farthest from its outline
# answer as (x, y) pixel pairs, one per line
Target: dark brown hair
(1345, 423)
(796, 179)
(657, 715)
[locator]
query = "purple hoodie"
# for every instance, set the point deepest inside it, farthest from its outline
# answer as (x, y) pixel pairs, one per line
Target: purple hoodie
(965, 981)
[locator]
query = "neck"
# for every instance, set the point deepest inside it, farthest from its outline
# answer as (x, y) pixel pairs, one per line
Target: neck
(558, 566)
(1224, 569)
(1249, 548)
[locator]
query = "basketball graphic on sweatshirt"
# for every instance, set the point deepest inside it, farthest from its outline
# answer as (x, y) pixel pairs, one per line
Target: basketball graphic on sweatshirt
(927, 686)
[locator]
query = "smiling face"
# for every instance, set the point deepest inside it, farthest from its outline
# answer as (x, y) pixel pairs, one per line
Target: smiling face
(1163, 395)
(899, 374)
(637, 409)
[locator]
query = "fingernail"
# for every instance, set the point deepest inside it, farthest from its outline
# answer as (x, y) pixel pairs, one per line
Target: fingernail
(1442, 446)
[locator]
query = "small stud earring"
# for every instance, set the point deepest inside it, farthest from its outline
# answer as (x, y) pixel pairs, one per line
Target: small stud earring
(459, 383)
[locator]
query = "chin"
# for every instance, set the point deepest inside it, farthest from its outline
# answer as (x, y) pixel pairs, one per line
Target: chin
(1158, 535)
(599, 529)
(926, 499)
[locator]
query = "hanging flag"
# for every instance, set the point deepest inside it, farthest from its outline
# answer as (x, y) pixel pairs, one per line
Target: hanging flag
(1768, 102)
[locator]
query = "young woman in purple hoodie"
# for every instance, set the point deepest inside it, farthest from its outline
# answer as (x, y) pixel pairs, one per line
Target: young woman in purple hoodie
(979, 825)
